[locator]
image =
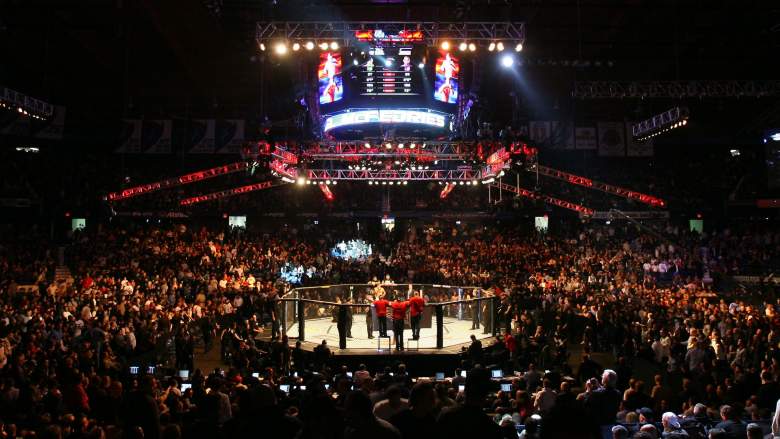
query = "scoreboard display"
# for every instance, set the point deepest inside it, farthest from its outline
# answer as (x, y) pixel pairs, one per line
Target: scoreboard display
(390, 72)
(400, 83)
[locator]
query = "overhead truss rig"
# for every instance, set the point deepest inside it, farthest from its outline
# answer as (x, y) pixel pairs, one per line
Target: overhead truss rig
(419, 151)
(597, 185)
(230, 192)
(546, 198)
(315, 176)
(284, 164)
(177, 181)
(427, 32)
(675, 89)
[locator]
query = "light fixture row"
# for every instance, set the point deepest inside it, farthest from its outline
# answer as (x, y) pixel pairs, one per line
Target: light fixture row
(282, 47)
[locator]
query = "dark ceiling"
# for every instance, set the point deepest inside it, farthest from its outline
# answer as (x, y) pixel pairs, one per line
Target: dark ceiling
(112, 58)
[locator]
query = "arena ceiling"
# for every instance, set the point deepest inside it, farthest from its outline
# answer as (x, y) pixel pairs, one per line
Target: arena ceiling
(186, 57)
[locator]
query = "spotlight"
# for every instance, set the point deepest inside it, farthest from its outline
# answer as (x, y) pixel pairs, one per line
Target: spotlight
(445, 45)
(413, 145)
(474, 182)
(405, 182)
(388, 62)
(472, 47)
(492, 47)
(388, 145)
(685, 122)
(280, 48)
(421, 65)
(367, 145)
(309, 45)
(301, 181)
(370, 182)
(507, 61)
(327, 181)
(355, 62)
(519, 47)
(334, 46)
(500, 46)
(323, 46)
(400, 146)
(296, 47)
(262, 47)
(463, 46)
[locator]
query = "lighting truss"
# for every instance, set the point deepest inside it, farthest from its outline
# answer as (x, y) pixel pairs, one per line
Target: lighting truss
(669, 119)
(432, 32)
(635, 215)
(546, 198)
(285, 156)
(597, 185)
(178, 181)
(675, 89)
(314, 175)
(406, 153)
(445, 192)
(25, 105)
(230, 192)
(424, 150)
(495, 163)
(325, 189)
(282, 169)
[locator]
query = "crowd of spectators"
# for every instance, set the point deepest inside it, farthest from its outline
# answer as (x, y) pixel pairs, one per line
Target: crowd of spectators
(148, 296)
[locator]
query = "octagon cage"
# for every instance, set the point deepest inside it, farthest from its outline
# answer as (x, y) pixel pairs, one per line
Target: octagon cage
(345, 315)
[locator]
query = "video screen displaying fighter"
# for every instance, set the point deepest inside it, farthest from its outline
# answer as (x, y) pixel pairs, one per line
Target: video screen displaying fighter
(331, 86)
(446, 83)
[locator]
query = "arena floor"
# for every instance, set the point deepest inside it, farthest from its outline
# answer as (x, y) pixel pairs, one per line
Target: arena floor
(456, 332)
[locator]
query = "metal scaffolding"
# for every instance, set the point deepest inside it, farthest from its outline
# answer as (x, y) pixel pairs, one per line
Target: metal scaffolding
(546, 198)
(177, 181)
(230, 192)
(432, 32)
(675, 89)
(597, 185)
(459, 175)
(421, 151)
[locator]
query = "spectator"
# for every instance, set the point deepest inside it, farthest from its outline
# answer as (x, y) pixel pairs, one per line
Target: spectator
(391, 405)
(468, 421)
(362, 423)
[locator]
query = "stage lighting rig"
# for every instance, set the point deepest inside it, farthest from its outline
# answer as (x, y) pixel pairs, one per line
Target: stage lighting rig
(668, 120)
(25, 105)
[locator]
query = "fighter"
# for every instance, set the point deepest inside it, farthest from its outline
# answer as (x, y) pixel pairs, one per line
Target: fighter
(329, 68)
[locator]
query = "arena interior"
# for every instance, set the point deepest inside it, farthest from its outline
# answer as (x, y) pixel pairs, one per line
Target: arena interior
(401, 219)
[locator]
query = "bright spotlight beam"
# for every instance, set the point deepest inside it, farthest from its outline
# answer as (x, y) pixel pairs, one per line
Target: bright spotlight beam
(507, 61)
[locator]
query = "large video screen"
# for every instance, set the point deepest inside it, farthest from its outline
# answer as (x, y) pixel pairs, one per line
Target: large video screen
(331, 85)
(390, 71)
(446, 83)
(404, 84)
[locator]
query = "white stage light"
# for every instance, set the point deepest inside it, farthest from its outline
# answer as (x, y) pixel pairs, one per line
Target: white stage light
(507, 61)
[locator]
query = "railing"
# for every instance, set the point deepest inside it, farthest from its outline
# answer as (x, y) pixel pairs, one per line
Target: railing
(346, 313)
